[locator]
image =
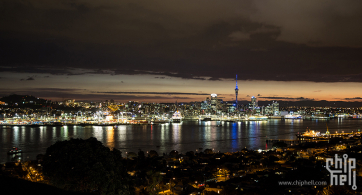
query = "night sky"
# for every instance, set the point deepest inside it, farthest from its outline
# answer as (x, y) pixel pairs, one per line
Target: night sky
(184, 50)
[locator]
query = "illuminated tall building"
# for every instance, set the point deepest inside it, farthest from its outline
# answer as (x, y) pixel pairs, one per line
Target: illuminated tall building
(213, 101)
(275, 106)
(254, 102)
(236, 92)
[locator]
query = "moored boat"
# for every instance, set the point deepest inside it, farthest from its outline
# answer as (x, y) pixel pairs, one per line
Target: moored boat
(292, 116)
(176, 117)
(309, 134)
(14, 151)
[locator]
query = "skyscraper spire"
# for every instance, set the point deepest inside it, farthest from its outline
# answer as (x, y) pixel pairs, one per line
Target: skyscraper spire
(236, 92)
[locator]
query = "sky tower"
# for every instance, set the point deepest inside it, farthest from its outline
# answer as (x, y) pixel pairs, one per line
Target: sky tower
(236, 92)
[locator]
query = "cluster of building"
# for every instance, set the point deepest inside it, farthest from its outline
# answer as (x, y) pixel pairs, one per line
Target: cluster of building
(17, 109)
(213, 105)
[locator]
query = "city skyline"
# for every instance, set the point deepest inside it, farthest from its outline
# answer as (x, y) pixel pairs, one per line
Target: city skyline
(169, 51)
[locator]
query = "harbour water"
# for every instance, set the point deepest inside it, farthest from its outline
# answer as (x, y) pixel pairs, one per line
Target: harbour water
(163, 138)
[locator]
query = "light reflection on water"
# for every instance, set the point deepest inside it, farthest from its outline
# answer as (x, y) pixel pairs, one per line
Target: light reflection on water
(187, 136)
(110, 137)
(122, 133)
(98, 133)
(16, 136)
(42, 133)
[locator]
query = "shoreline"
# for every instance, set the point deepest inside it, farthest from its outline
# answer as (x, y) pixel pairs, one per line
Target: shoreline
(158, 123)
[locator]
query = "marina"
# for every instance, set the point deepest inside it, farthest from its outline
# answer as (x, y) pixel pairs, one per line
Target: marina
(15, 150)
(176, 118)
(302, 139)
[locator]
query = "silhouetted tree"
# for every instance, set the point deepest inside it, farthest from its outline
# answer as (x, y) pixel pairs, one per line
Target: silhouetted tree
(131, 155)
(190, 154)
(86, 166)
(141, 154)
(152, 154)
(174, 153)
(280, 145)
(208, 151)
(154, 179)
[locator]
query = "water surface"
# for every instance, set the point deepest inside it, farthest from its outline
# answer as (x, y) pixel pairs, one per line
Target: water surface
(187, 136)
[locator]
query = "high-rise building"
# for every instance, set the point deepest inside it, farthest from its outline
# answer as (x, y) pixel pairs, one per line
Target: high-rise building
(213, 101)
(257, 110)
(275, 106)
(254, 102)
(204, 105)
(230, 107)
(236, 92)
(269, 110)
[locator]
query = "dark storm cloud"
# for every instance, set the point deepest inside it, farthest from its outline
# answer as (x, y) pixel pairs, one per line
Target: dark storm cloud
(57, 89)
(93, 97)
(41, 92)
(42, 69)
(142, 37)
(355, 98)
(163, 77)
(101, 97)
(288, 98)
(154, 93)
(81, 94)
(28, 79)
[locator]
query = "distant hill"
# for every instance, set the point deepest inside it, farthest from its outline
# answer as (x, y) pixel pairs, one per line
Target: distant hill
(20, 100)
